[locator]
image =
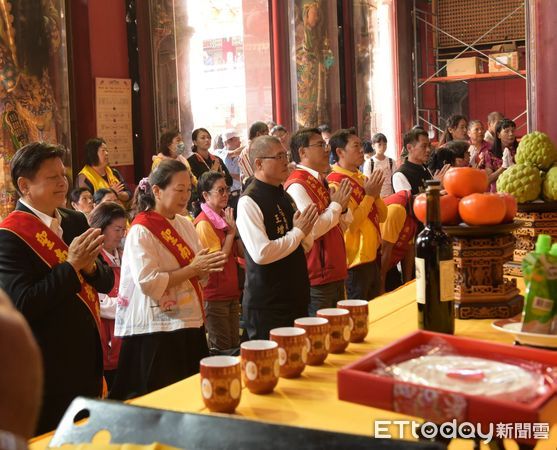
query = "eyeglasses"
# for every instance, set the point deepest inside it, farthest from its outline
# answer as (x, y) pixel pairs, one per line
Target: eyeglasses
(278, 157)
(323, 145)
(221, 191)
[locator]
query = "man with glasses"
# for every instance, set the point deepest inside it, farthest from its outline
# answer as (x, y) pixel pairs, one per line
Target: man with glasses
(362, 237)
(326, 260)
(274, 236)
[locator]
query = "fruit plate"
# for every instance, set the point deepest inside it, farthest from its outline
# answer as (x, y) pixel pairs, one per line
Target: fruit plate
(513, 326)
(481, 230)
(537, 206)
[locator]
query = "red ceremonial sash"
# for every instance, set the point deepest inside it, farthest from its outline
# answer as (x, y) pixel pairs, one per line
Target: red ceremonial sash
(403, 198)
(52, 250)
(358, 194)
(315, 189)
(169, 237)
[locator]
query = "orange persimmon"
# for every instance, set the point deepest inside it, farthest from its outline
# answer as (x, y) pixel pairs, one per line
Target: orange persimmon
(482, 209)
(463, 181)
(449, 209)
(512, 206)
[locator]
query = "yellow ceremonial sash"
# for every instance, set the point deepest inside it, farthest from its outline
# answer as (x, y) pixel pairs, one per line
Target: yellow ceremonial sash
(52, 250)
(96, 180)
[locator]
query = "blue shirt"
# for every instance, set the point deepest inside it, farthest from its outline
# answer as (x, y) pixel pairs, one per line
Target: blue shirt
(233, 166)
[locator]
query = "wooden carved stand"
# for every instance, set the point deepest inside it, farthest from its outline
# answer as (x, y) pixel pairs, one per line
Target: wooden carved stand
(481, 290)
(532, 223)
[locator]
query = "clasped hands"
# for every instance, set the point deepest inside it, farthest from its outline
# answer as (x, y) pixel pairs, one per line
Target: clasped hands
(205, 263)
(84, 249)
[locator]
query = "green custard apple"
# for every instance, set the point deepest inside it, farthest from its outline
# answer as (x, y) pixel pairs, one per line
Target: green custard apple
(522, 181)
(536, 149)
(550, 185)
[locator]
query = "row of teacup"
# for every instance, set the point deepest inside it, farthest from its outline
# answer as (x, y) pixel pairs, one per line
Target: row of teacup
(285, 354)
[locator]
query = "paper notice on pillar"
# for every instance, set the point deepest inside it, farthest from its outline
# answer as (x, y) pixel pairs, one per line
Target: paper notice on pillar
(114, 118)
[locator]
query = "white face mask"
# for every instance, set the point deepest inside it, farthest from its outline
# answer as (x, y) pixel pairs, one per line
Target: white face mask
(180, 148)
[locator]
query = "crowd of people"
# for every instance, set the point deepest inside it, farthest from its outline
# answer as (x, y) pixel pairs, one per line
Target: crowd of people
(125, 293)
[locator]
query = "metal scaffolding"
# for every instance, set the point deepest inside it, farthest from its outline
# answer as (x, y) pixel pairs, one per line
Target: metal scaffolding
(429, 19)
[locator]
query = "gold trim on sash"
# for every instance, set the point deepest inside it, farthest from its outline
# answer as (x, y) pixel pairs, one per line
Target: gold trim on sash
(358, 194)
(52, 250)
(167, 234)
(319, 195)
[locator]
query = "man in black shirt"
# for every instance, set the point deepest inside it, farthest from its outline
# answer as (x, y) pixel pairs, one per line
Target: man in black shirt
(413, 173)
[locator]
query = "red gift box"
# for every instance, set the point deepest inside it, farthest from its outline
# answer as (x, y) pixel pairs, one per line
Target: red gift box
(357, 384)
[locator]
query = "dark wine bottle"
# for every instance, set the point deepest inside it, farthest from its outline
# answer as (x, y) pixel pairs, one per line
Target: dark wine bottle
(434, 269)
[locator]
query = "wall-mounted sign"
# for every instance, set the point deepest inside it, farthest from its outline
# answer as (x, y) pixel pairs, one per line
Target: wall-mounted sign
(114, 118)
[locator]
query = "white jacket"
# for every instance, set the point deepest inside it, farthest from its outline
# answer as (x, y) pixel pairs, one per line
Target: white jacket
(145, 304)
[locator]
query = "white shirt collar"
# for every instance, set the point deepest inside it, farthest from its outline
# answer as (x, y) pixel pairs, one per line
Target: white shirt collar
(113, 257)
(45, 218)
(315, 173)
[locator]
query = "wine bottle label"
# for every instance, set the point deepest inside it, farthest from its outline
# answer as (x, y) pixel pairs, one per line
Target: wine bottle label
(446, 280)
(420, 280)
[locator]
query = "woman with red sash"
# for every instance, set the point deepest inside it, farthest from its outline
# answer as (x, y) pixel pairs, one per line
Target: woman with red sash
(110, 218)
(217, 230)
(160, 301)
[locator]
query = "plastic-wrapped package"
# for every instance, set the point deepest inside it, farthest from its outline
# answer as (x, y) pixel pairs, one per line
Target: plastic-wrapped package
(438, 365)
(444, 378)
(540, 276)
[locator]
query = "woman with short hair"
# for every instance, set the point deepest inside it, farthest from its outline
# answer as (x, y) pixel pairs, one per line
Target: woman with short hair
(111, 219)
(172, 147)
(104, 195)
(97, 173)
(81, 199)
(478, 145)
(216, 228)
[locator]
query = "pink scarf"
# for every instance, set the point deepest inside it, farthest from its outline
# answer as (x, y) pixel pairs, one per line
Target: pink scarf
(216, 220)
